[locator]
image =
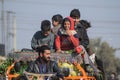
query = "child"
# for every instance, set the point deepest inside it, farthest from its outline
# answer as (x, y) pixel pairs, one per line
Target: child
(56, 22)
(67, 38)
(43, 36)
(80, 29)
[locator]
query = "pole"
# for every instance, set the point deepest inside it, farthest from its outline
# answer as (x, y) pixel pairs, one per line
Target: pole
(2, 23)
(14, 33)
(7, 33)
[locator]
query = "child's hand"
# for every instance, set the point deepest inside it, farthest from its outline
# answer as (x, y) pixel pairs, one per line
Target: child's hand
(71, 32)
(59, 51)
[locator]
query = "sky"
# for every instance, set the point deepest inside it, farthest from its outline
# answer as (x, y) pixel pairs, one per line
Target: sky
(104, 16)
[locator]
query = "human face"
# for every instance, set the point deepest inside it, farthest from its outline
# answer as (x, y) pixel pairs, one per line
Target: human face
(46, 33)
(67, 25)
(55, 23)
(46, 55)
(76, 20)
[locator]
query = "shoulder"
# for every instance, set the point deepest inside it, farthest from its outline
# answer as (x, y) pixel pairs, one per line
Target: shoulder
(61, 31)
(33, 62)
(79, 25)
(51, 35)
(53, 62)
(37, 33)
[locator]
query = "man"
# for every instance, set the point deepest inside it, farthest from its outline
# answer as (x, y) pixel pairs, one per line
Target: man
(80, 29)
(43, 37)
(43, 64)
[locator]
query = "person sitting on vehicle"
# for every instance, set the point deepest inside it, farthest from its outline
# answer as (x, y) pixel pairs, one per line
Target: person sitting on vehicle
(43, 64)
(80, 29)
(67, 41)
(82, 35)
(56, 22)
(43, 37)
(67, 38)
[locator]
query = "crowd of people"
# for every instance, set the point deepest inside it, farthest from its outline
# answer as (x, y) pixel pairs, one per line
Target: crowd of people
(67, 34)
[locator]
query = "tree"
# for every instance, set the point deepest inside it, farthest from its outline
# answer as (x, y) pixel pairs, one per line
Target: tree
(106, 54)
(117, 64)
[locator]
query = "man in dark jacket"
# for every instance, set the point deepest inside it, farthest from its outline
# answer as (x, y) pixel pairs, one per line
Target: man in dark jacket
(83, 37)
(43, 64)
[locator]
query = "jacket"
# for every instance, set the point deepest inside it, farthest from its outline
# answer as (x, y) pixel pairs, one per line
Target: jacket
(64, 41)
(82, 34)
(52, 67)
(39, 39)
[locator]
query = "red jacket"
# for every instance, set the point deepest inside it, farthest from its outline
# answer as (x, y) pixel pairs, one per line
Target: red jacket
(64, 41)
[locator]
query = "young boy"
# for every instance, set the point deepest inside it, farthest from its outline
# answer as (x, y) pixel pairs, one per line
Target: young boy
(43, 37)
(80, 29)
(56, 22)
